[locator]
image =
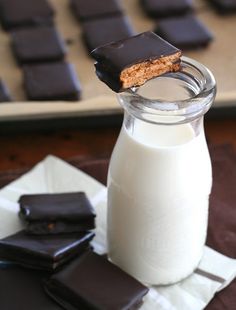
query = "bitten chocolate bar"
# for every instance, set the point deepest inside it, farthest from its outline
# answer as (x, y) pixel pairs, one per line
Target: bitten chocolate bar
(57, 213)
(43, 252)
(92, 282)
(133, 61)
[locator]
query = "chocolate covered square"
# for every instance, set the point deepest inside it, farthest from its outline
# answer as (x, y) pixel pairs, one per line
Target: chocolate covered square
(92, 282)
(185, 32)
(38, 44)
(93, 9)
(224, 6)
(43, 252)
(102, 31)
(165, 8)
(133, 61)
(22, 289)
(57, 213)
(18, 13)
(51, 81)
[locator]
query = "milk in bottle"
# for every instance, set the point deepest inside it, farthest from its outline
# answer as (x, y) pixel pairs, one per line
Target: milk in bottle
(159, 184)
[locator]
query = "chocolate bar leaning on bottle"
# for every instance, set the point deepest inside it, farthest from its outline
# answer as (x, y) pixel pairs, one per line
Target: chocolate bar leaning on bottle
(135, 60)
(57, 213)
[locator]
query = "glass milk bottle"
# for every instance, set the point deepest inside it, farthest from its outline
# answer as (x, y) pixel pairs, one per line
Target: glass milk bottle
(160, 177)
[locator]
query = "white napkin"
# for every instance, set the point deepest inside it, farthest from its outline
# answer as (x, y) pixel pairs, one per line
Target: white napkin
(53, 175)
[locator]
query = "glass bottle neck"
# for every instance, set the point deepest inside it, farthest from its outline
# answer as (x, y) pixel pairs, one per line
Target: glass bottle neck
(174, 98)
(162, 135)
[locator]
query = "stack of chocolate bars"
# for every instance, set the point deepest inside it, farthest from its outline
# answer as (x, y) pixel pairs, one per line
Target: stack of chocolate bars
(51, 264)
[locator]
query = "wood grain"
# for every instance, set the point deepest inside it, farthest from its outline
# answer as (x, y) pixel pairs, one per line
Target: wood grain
(26, 149)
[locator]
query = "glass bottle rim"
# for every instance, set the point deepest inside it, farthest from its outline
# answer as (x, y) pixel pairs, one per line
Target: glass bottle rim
(174, 111)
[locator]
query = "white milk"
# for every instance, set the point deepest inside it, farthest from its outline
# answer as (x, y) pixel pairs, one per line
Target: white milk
(158, 190)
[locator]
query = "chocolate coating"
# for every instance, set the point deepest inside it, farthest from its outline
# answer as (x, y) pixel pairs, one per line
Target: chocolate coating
(111, 80)
(19, 13)
(51, 81)
(223, 6)
(43, 252)
(4, 92)
(92, 282)
(165, 8)
(57, 213)
(185, 32)
(93, 9)
(22, 289)
(39, 44)
(113, 58)
(143, 47)
(102, 31)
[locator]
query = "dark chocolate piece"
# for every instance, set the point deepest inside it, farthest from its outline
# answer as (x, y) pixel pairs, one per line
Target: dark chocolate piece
(57, 213)
(51, 81)
(22, 289)
(4, 92)
(184, 32)
(92, 282)
(43, 252)
(19, 13)
(133, 61)
(166, 8)
(224, 6)
(102, 31)
(93, 9)
(39, 44)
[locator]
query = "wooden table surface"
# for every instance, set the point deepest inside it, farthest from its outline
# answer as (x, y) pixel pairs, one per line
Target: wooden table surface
(23, 150)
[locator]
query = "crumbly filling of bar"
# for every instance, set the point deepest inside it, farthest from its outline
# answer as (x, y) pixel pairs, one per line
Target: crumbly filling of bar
(140, 73)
